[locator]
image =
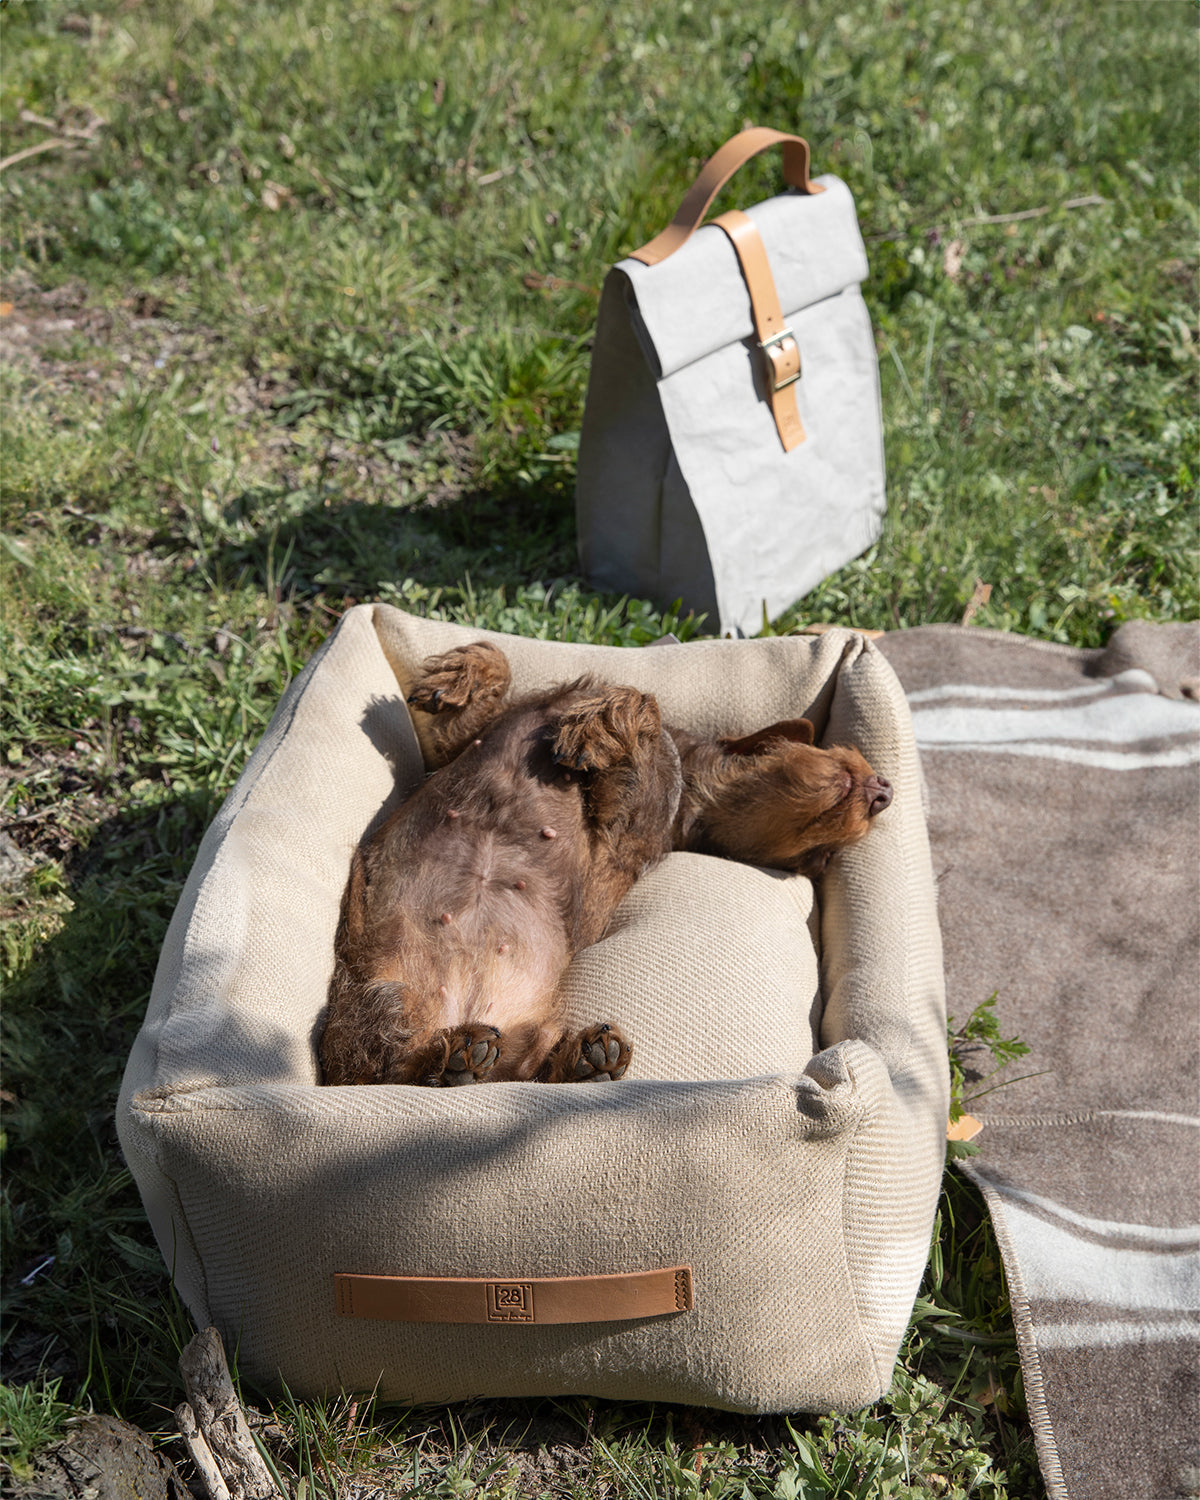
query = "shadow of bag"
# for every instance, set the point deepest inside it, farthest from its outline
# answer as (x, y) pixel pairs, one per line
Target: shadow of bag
(732, 446)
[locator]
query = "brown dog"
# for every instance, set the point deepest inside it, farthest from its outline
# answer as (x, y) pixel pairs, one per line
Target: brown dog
(464, 909)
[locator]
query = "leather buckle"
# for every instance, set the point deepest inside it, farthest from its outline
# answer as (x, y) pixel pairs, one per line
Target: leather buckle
(773, 347)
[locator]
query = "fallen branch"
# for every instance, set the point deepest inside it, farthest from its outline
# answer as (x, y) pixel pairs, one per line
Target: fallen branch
(201, 1454)
(1092, 200)
(213, 1404)
(88, 133)
(488, 178)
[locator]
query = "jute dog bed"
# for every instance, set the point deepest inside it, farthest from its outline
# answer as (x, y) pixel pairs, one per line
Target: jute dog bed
(780, 1134)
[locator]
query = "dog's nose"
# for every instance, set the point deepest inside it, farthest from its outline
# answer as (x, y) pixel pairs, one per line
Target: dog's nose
(879, 794)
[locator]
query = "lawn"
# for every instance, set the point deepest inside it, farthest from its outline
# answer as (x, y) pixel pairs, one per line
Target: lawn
(296, 313)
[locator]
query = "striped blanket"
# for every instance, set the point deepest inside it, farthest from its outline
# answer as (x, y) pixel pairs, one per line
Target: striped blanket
(1064, 812)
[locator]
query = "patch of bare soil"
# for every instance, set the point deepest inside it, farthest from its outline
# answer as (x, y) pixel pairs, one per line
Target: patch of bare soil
(101, 1458)
(64, 343)
(67, 342)
(54, 800)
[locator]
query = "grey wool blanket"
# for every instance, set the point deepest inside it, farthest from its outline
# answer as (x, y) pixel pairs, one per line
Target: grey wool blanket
(1064, 815)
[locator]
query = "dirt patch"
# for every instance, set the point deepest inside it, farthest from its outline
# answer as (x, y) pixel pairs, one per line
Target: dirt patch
(65, 341)
(105, 1459)
(53, 801)
(60, 343)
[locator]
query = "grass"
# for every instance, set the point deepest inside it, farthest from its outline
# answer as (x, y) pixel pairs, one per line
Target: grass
(30, 1417)
(297, 314)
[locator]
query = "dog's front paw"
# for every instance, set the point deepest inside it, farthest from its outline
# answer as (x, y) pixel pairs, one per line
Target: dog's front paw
(461, 676)
(602, 728)
(470, 1053)
(600, 1053)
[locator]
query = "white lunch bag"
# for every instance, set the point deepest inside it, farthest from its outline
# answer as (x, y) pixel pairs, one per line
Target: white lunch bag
(732, 446)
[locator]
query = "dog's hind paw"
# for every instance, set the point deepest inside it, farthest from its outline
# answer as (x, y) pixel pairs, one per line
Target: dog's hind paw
(456, 678)
(600, 1053)
(471, 1052)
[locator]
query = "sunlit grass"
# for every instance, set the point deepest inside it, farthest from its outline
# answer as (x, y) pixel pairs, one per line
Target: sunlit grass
(306, 321)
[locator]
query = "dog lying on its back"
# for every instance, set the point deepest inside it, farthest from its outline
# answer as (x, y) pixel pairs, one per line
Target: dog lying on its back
(463, 911)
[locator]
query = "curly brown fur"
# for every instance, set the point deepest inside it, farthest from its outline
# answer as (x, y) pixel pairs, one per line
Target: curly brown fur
(463, 911)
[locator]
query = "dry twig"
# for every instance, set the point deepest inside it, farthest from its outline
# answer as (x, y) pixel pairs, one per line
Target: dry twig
(216, 1414)
(51, 145)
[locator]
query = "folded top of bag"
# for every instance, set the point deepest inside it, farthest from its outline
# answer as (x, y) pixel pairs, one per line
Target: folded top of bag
(696, 301)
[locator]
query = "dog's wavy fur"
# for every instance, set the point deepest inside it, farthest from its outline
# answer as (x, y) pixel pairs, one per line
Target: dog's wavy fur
(463, 911)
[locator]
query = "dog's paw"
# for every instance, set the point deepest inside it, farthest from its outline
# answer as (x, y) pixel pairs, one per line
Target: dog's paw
(601, 1053)
(602, 728)
(470, 1053)
(461, 676)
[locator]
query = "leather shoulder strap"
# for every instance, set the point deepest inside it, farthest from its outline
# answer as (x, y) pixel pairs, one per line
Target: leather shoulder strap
(477, 1299)
(713, 176)
(777, 342)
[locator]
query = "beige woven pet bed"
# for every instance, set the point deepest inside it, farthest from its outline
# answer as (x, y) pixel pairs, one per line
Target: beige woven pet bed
(781, 1131)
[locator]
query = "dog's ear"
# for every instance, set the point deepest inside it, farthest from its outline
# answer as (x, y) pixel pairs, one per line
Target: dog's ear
(799, 731)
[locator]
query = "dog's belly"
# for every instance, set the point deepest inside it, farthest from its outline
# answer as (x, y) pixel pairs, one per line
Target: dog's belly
(515, 983)
(483, 939)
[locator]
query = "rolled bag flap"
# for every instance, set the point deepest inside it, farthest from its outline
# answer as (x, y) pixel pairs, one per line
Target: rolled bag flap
(696, 301)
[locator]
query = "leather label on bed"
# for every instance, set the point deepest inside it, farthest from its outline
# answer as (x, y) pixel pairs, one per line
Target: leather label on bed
(510, 1302)
(550, 1299)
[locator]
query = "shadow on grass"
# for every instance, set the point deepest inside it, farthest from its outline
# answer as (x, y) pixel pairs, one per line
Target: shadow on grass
(86, 1296)
(305, 542)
